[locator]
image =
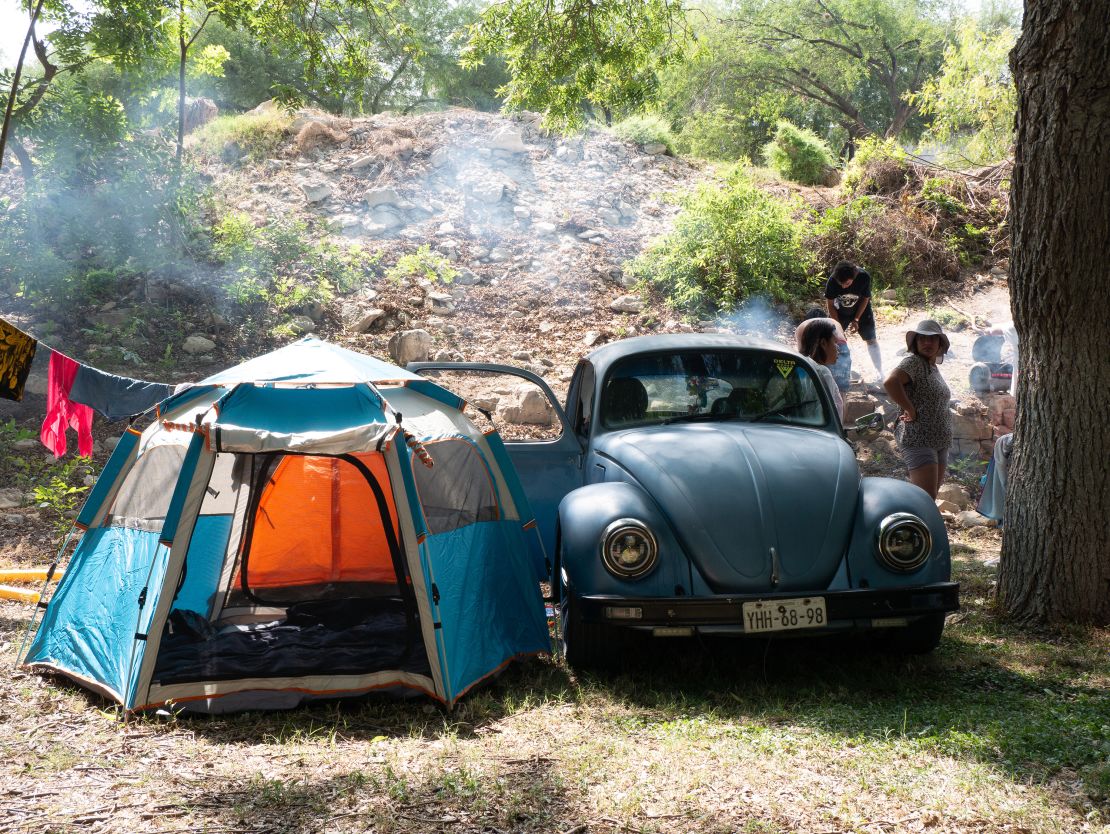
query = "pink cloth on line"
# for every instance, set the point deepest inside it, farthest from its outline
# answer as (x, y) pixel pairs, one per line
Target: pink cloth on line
(61, 414)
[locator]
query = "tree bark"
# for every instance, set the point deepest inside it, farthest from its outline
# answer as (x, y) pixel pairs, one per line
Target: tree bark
(183, 50)
(1055, 564)
(15, 80)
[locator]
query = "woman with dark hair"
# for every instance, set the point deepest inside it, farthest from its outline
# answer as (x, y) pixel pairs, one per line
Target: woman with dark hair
(924, 430)
(819, 340)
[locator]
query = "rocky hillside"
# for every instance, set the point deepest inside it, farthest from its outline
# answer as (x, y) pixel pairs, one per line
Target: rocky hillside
(533, 227)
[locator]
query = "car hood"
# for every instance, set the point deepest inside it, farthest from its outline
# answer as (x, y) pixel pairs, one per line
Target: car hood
(732, 492)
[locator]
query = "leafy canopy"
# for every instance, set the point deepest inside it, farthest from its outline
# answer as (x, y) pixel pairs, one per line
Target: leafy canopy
(559, 56)
(972, 100)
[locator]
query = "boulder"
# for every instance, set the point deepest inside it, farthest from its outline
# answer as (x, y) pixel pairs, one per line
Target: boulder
(301, 325)
(197, 345)
(947, 506)
(528, 406)
(591, 338)
(489, 193)
(440, 157)
(382, 197)
(441, 302)
(315, 190)
(410, 346)
(955, 494)
(11, 498)
(363, 162)
(627, 304)
(858, 405)
(508, 139)
(362, 321)
(655, 148)
(610, 216)
(970, 518)
(199, 111)
(544, 228)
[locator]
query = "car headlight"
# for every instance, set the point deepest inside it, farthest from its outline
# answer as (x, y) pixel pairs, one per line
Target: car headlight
(628, 549)
(904, 541)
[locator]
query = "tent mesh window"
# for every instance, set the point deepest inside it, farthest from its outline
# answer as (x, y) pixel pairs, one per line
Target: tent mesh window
(458, 489)
(144, 497)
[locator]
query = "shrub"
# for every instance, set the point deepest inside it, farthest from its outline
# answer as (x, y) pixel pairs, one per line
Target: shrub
(880, 166)
(718, 134)
(730, 242)
(884, 240)
(281, 266)
(799, 155)
(424, 263)
(646, 130)
(258, 135)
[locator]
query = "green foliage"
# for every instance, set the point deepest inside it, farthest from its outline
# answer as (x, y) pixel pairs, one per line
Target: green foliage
(878, 166)
(866, 231)
(799, 155)
(601, 52)
(60, 494)
(972, 100)
(281, 267)
(258, 135)
(848, 63)
(645, 130)
(731, 241)
(715, 134)
(423, 263)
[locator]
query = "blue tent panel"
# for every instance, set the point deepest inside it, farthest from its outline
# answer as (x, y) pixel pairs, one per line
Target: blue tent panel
(89, 628)
(489, 600)
(293, 411)
(204, 563)
(532, 537)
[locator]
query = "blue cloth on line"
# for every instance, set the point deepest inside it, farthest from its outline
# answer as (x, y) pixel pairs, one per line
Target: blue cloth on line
(116, 397)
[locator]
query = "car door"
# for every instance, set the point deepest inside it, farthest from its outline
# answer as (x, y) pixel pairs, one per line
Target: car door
(549, 465)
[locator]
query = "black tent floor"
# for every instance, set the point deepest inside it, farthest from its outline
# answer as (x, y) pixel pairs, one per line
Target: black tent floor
(346, 637)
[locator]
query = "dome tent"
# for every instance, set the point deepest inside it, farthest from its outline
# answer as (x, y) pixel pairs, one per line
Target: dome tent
(311, 523)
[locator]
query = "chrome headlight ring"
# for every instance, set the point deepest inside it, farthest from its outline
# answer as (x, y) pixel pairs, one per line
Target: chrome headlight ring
(629, 549)
(903, 542)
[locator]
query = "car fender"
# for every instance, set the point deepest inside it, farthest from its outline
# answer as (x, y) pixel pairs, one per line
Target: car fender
(878, 498)
(584, 515)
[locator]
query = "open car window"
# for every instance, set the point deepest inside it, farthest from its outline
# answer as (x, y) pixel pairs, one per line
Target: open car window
(743, 385)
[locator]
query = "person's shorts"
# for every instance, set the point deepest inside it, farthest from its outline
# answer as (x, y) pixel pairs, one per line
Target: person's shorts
(916, 458)
(867, 329)
(866, 326)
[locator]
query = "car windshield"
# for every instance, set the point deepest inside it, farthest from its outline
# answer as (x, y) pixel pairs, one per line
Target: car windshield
(703, 386)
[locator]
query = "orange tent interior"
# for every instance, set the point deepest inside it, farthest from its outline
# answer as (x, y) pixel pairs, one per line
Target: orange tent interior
(318, 522)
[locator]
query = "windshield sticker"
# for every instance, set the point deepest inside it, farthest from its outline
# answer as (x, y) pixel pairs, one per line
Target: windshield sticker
(785, 366)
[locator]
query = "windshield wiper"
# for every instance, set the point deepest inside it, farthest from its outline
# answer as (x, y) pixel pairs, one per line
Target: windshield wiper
(707, 416)
(771, 412)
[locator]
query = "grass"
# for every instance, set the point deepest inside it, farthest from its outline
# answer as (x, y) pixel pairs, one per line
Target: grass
(258, 135)
(996, 731)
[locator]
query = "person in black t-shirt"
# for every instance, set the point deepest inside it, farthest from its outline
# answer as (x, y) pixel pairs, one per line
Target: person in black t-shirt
(848, 298)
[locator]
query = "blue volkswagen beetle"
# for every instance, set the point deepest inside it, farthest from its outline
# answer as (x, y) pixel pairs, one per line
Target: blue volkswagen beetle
(704, 484)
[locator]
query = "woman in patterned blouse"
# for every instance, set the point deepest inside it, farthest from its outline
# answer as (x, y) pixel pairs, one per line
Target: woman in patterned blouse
(924, 430)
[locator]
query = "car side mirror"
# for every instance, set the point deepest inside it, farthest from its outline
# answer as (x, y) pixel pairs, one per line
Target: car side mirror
(869, 424)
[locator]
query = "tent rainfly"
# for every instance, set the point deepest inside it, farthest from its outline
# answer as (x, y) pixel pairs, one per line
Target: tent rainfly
(313, 523)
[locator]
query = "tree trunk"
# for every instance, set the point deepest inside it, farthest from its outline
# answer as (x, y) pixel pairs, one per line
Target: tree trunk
(1055, 563)
(183, 54)
(15, 81)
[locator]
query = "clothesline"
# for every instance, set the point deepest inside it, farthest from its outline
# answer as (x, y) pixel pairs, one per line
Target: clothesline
(74, 390)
